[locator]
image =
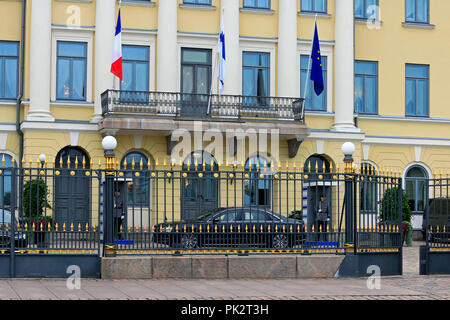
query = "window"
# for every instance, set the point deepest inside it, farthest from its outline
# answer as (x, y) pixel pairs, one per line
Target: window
(7, 185)
(253, 215)
(416, 188)
(138, 188)
(135, 68)
(366, 8)
(366, 87)
(257, 4)
(71, 70)
(417, 90)
(314, 6)
(257, 189)
(198, 2)
(256, 85)
(417, 11)
(228, 216)
(195, 79)
(368, 190)
(9, 61)
(313, 102)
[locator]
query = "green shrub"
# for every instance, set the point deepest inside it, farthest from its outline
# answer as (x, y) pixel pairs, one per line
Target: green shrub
(390, 205)
(35, 198)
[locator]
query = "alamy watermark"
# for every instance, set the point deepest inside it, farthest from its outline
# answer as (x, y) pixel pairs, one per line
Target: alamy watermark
(374, 281)
(73, 282)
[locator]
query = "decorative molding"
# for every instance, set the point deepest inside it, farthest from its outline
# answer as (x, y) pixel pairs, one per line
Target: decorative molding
(366, 150)
(418, 25)
(138, 141)
(74, 136)
(293, 146)
(3, 140)
(418, 153)
(319, 146)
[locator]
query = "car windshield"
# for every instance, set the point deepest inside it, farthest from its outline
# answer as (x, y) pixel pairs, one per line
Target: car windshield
(5, 216)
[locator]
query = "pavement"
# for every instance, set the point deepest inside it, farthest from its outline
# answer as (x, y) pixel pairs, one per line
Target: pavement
(410, 286)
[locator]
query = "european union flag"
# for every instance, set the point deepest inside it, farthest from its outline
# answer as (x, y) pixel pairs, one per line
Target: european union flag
(316, 68)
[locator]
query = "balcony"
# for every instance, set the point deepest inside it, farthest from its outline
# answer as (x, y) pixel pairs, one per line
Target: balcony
(159, 113)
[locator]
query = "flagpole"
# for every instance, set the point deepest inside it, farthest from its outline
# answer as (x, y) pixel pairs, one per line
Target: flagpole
(215, 66)
(308, 72)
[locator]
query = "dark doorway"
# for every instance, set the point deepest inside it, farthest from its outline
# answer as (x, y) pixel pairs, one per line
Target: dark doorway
(199, 194)
(72, 188)
(195, 81)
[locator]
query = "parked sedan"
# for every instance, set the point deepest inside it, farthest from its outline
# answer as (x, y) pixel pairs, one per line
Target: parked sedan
(20, 237)
(232, 227)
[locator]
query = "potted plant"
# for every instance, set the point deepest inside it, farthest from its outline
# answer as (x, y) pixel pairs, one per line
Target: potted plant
(34, 201)
(389, 215)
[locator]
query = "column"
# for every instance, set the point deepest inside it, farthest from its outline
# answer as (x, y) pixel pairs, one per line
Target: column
(288, 82)
(233, 78)
(105, 22)
(344, 67)
(167, 47)
(40, 61)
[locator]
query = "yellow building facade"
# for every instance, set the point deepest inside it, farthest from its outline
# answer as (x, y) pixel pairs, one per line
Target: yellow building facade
(385, 74)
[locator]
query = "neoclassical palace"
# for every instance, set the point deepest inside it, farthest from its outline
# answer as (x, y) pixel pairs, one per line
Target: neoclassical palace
(385, 73)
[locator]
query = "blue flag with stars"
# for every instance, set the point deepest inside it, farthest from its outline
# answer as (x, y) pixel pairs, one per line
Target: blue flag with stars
(316, 68)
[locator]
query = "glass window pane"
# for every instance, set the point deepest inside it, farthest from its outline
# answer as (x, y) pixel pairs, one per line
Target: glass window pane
(196, 56)
(135, 53)
(128, 79)
(359, 8)
(202, 80)
(307, 5)
(188, 79)
(410, 10)
(416, 172)
(72, 49)
(367, 68)
(422, 11)
(8, 48)
(422, 97)
(359, 94)
(141, 76)
(79, 79)
(421, 195)
(63, 85)
(320, 5)
(417, 71)
(249, 83)
(370, 89)
(262, 83)
(10, 75)
(251, 59)
(410, 97)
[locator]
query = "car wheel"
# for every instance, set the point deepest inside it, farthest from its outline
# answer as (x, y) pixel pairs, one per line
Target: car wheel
(280, 241)
(189, 241)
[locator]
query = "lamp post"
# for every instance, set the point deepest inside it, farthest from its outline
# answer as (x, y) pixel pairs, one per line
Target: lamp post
(348, 149)
(42, 159)
(109, 143)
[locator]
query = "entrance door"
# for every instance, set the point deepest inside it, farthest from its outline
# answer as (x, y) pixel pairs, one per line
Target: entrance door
(72, 197)
(199, 195)
(195, 81)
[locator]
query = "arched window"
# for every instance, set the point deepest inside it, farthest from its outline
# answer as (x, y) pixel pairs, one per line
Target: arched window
(7, 183)
(368, 189)
(138, 187)
(416, 188)
(316, 161)
(257, 190)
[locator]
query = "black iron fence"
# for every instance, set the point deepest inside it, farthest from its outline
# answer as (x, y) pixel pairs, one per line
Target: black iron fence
(201, 106)
(437, 213)
(69, 206)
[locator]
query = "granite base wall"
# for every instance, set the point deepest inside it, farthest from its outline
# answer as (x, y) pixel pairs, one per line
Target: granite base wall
(221, 267)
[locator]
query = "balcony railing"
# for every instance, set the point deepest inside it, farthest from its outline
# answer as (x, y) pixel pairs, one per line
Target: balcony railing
(201, 106)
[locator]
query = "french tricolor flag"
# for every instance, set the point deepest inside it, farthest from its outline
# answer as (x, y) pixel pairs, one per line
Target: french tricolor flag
(116, 66)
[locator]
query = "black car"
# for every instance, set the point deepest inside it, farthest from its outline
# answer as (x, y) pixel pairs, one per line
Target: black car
(437, 214)
(232, 227)
(20, 237)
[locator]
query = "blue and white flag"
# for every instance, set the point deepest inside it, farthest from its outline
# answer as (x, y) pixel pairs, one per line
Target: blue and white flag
(222, 56)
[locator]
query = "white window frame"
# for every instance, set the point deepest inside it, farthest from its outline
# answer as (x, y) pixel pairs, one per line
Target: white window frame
(304, 48)
(73, 35)
(263, 46)
(137, 38)
(201, 41)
